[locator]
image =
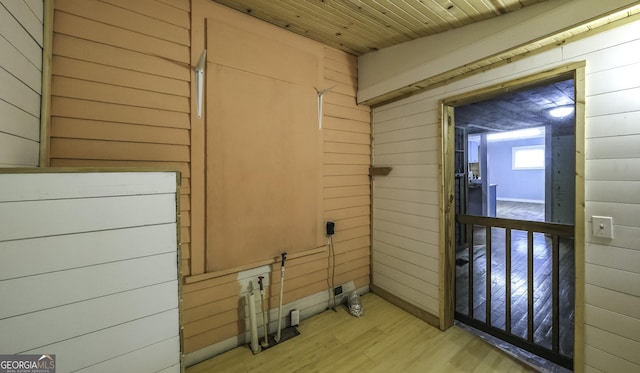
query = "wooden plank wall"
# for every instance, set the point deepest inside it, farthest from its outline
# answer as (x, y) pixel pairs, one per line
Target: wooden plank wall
(21, 38)
(347, 157)
(612, 268)
(406, 203)
(71, 252)
(214, 309)
(121, 88)
(405, 213)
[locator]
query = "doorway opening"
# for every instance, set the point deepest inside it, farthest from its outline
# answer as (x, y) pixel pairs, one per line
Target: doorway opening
(512, 181)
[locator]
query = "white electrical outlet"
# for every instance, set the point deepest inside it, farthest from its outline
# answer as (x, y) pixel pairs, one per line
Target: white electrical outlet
(295, 317)
(602, 226)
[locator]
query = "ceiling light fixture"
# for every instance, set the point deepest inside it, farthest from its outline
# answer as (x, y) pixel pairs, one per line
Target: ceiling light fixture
(561, 112)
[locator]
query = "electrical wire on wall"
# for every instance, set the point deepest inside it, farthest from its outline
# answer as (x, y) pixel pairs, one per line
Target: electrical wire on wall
(333, 271)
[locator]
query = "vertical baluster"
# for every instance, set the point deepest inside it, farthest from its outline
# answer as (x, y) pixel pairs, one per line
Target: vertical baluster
(488, 276)
(470, 297)
(555, 283)
(530, 286)
(507, 248)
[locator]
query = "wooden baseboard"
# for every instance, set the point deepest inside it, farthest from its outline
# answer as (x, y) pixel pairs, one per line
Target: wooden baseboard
(412, 309)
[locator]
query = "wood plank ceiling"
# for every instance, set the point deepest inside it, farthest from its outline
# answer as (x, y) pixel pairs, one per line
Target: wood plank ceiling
(362, 26)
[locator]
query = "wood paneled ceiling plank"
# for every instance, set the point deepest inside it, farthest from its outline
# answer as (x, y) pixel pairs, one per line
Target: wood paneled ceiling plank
(369, 29)
(316, 22)
(474, 10)
(441, 12)
(362, 26)
(393, 17)
(426, 21)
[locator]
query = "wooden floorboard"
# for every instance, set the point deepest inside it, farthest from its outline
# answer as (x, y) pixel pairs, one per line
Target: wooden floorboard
(384, 339)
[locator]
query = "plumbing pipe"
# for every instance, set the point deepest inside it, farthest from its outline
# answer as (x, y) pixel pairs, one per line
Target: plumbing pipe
(265, 343)
(255, 347)
(200, 66)
(284, 257)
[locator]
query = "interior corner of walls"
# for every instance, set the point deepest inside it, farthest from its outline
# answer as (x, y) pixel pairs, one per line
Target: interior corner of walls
(208, 352)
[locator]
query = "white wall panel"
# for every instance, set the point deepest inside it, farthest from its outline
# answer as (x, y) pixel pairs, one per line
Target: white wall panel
(615, 301)
(624, 348)
(89, 269)
(422, 235)
(37, 328)
(404, 243)
(16, 93)
(21, 38)
(601, 361)
(50, 217)
(18, 151)
(614, 257)
(37, 7)
(412, 183)
(18, 36)
(408, 146)
(20, 187)
(32, 293)
(407, 195)
(19, 123)
(89, 349)
(420, 209)
(19, 66)
(158, 357)
(612, 169)
(407, 219)
(617, 47)
(619, 324)
(621, 124)
(32, 256)
(625, 237)
(407, 158)
(402, 291)
(29, 20)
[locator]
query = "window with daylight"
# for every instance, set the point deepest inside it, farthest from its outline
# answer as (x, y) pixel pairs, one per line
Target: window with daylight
(527, 157)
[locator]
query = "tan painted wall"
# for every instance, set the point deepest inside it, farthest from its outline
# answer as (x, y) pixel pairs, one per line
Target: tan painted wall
(213, 308)
(121, 96)
(120, 88)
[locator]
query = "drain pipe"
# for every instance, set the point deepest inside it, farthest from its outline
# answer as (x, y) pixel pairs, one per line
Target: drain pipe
(284, 257)
(255, 347)
(265, 343)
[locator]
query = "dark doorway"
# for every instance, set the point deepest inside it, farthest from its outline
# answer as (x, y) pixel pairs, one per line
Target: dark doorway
(515, 202)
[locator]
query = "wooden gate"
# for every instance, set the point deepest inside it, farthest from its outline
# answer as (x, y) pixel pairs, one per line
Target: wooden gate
(514, 280)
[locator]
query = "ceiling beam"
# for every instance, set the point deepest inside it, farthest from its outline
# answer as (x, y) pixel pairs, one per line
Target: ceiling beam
(412, 67)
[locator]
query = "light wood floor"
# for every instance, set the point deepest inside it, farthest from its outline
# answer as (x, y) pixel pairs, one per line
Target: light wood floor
(384, 339)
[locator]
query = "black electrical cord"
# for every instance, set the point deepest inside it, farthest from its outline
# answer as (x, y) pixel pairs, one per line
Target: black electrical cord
(333, 272)
(331, 278)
